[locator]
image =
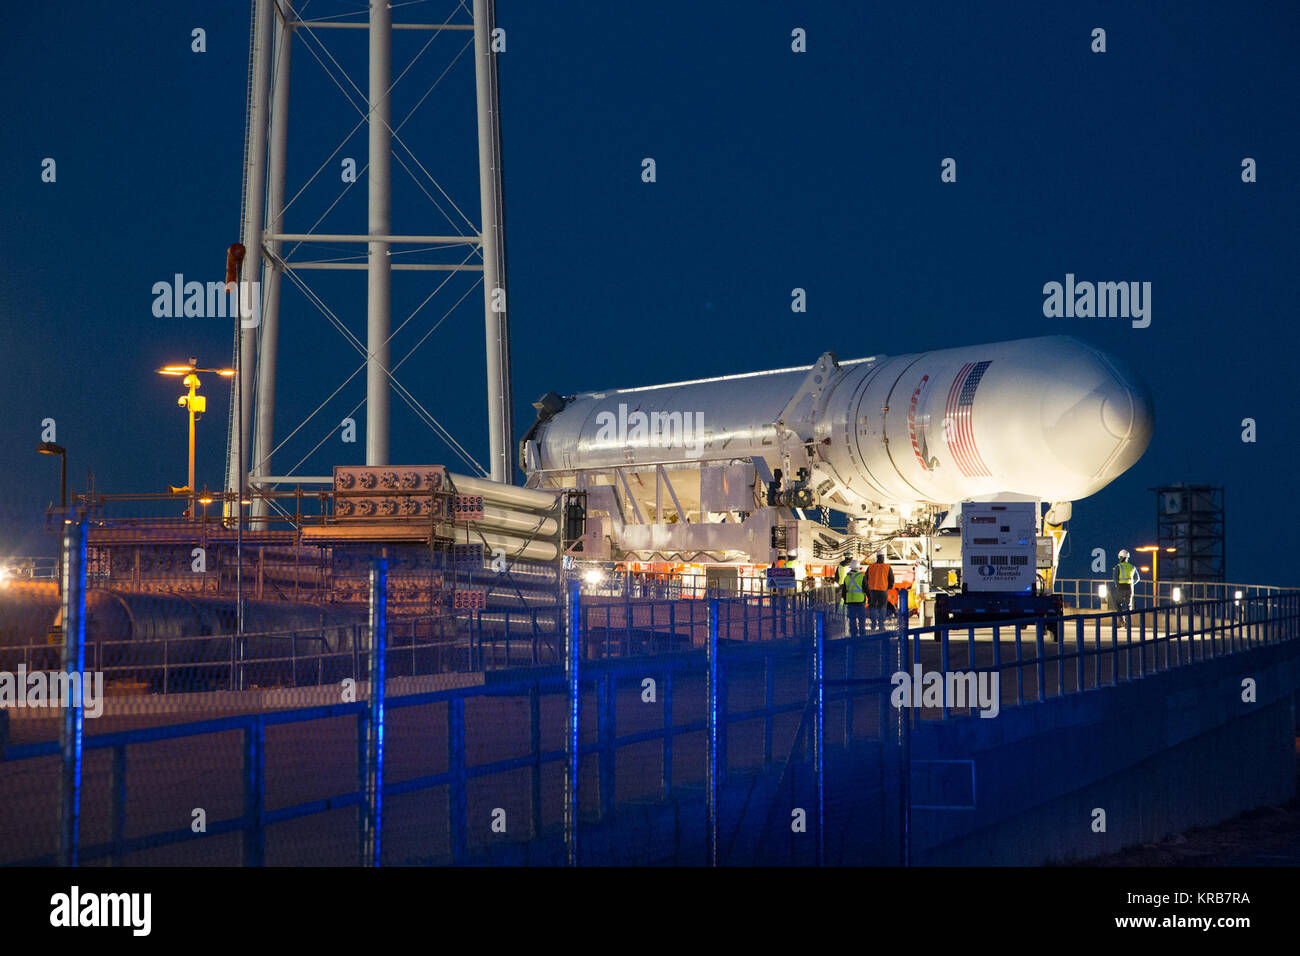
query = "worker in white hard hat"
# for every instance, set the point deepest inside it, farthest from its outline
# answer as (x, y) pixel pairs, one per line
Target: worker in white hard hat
(855, 599)
(841, 572)
(1126, 578)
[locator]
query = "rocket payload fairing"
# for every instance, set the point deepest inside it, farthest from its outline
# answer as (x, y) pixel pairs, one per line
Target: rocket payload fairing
(1049, 418)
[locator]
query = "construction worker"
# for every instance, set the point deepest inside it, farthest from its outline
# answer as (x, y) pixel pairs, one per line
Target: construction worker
(800, 572)
(1126, 578)
(841, 572)
(880, 578)
(855, 599)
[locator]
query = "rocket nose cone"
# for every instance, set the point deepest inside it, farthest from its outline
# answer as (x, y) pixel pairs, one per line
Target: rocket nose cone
(1127, 417)
(1126, 409)
(1107, 425)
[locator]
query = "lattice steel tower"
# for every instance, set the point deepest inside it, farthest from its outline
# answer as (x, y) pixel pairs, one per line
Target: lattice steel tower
(276, 29)
(1190, 519)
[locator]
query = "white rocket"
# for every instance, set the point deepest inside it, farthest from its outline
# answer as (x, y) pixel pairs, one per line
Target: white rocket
(1049, 418)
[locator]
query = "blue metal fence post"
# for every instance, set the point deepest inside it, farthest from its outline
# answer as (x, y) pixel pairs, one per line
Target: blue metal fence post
(1142, 644)
(819, 742)
(254, 834)
(605, 732)
(373, 796)
(1078, 650)
(572, 651)
(769, 697)
(457, 801)
(1040, 669)
(74, 662)
(668, 734)
(627, 619)
(904, 755)
(117, 803)
(848, 696)
(712, 719)
(535, 746)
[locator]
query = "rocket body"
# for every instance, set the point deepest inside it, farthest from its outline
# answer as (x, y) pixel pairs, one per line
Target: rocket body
(1050, 418)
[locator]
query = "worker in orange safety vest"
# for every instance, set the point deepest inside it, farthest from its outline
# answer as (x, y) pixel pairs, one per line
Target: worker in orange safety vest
(880, 578)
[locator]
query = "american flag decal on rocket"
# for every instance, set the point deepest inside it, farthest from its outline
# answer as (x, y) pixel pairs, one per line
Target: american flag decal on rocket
(958, 430)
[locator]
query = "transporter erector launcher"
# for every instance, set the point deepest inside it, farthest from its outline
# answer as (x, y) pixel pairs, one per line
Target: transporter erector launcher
(675, 472)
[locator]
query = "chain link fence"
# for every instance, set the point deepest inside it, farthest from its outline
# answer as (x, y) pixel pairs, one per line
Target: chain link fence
(600, 729)
(592, 728)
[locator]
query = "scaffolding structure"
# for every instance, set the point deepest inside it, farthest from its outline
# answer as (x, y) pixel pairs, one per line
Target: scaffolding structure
(1190, 519)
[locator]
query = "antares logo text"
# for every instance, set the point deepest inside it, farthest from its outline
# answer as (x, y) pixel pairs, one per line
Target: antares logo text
(683, 430)
(213, 300)
(956, 689)
(75, 908)
(52, 689)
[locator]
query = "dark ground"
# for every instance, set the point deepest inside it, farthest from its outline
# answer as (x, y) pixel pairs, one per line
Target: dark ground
(1268, 836)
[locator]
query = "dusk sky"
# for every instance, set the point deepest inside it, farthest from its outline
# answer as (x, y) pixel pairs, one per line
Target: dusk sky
(775, 170)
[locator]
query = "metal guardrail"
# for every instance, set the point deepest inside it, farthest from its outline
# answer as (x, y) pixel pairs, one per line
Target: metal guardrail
(33, 568)
(469, 642)
(601, 678)
(1180, 634)
(1125, 645)
(623, 628)
(1085, 593)
(1171, 637)
(639, 585)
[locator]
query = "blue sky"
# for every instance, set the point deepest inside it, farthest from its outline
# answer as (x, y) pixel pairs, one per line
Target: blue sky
(775, 170)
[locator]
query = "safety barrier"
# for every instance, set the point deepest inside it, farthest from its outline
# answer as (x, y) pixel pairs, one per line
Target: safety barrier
(468, 642)
(1050, 657)
(666, 754)
(1097, 594)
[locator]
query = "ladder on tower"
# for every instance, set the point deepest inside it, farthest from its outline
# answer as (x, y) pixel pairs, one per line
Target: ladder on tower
(232, 423)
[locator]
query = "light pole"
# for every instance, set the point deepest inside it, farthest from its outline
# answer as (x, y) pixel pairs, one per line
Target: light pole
(196, 404)
(50, 448)
(1154, 550)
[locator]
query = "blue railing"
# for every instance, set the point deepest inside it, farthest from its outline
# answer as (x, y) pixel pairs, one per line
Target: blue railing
(1082, 651)
(1086, 653)
(599, 678)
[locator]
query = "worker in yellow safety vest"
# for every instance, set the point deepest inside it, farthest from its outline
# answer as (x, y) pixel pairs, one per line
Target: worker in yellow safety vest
(841, 572)
(1126, 578)
(855, 599)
